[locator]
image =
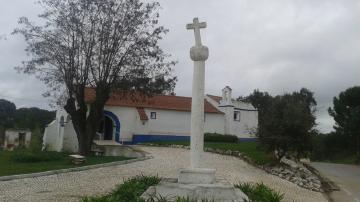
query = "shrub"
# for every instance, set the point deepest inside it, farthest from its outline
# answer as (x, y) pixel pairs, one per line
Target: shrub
(36, 140)
(259, 192)
(333, 147)
(25, 156)
(215, 137)
(130, 190)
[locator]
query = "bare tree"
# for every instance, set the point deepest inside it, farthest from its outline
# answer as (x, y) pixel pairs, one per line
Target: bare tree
(103, 44)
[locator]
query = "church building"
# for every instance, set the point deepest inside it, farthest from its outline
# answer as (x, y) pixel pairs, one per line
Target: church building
(160, 117)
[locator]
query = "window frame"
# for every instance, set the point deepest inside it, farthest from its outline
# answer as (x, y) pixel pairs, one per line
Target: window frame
(151, 115)
(237, 116)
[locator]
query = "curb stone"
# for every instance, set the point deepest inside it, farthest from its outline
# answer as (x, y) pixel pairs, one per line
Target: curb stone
(329, 185)
(67, 170)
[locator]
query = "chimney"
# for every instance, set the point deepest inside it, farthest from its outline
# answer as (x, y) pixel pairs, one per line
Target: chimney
(226, 96)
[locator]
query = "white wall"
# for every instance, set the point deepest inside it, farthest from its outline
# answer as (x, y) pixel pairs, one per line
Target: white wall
(70, 142)
(53, 138)
(248, 116)
(50, 137)
(214, 123)
(244, 127)
(169, 122)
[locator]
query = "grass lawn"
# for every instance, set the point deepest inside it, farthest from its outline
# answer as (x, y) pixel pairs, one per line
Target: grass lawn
(342, 159)
(9, 166)
(250, 149)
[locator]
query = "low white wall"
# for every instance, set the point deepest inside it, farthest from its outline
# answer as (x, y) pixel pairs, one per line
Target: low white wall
(50, 136)
(70, 142)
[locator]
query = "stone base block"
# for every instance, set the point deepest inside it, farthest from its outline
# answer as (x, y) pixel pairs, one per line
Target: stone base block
(220, 191)
(197, 176)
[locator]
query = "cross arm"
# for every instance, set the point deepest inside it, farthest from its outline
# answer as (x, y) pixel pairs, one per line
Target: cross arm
(194, 26)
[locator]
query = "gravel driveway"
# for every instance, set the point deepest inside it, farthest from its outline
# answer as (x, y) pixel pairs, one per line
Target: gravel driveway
(166, 163)
(347, 177)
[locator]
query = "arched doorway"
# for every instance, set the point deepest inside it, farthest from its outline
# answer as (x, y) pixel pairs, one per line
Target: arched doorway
(110, 127)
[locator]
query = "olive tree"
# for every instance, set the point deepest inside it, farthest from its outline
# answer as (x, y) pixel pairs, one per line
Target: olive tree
(286, 122)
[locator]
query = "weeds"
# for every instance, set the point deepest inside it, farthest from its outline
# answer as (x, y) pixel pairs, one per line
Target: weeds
(259, 192)
(130, 190)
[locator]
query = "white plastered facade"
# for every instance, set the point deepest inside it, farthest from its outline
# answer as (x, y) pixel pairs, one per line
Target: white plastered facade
(60, 136)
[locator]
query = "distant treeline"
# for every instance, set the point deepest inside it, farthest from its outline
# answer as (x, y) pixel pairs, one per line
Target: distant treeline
(31, 118)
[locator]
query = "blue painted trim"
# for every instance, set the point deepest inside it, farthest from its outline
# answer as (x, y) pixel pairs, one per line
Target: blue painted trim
(115, 119)
(141, 138)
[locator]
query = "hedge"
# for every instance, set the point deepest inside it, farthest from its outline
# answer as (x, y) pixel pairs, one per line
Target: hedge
(215, 137)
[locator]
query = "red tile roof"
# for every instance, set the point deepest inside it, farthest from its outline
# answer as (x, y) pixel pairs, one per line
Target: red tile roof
(168, 102)
(142, 114)
(216, 98)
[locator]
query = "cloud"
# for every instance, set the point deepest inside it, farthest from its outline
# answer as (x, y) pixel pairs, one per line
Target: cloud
(275, 46)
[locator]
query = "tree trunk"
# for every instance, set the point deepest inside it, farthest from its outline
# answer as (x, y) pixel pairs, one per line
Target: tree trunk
(85, 143)
(92, 126)
(358, 148)
(2, 135)
(86, 121)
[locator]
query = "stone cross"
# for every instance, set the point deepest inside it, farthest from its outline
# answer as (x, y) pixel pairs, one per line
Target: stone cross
(198, 54)
(196, 26)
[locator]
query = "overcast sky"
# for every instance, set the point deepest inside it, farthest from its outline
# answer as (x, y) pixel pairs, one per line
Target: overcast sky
(275, 46)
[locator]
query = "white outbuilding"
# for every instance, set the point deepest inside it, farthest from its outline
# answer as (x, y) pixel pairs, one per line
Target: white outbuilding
(160, 117)
(16, 138)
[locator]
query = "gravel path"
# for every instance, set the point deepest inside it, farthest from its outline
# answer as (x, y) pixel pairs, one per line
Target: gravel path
(166, 163)
(347, 177)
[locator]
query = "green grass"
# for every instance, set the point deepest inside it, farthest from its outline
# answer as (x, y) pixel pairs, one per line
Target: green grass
(342, 159)
(260, 192)
(14, 163)
(249, 149)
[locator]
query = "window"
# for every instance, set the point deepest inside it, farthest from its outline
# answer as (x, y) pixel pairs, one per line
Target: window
(153, 115)
(236, 116)
(62, 121)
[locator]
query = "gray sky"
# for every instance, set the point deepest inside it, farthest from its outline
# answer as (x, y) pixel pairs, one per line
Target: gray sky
(276, 46)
